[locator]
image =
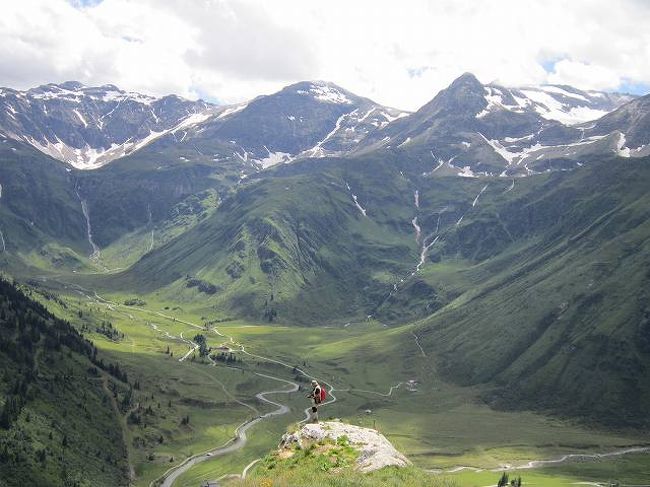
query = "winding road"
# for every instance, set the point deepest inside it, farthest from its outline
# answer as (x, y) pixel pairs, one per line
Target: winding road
(193, 347)
(235, 443)
(383, 394)
(541, 463)
(240, 437)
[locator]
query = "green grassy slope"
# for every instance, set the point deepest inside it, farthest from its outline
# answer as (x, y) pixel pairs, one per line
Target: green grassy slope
(164, 390)
(133, 192)
(437, 424)
(58, 425)
(272, 242)
(558, 319)
(540, 290)
(535, 288)
(43, 226)
(291, 246)
(38, 204)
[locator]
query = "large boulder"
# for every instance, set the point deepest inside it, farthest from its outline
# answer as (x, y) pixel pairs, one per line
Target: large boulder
(375, 451)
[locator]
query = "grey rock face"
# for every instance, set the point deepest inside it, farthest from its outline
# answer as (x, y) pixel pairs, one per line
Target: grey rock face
(632, 121)
(88, 127)
(471, 129)
(468, 129)
(307, 119)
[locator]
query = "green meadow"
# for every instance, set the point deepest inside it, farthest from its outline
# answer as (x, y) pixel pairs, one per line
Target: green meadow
(380, 378)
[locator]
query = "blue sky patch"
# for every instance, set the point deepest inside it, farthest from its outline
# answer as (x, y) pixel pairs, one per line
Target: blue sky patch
(634, 88)
(549, 64)
(84, 3)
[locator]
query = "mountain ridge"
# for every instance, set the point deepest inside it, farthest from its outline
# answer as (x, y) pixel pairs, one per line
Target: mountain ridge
(81, 133)
(483, 246)
(88, 127)
(217, 152)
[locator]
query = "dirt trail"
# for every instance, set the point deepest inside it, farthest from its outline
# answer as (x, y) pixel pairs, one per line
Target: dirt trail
(382, 394)
(122, 421)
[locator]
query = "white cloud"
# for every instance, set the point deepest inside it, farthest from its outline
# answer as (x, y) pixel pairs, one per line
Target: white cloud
(399, 54)
(585, 75)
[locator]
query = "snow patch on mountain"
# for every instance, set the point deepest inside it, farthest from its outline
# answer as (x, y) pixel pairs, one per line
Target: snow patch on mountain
(76, 92)
(232, 110)
(390, 118)
(81, 117)
(567, 106)
(327, 93)
(88, 158)
(466, 172)
(508, 156)
(564, 111)
(494, 99)
(88, 127)
(479, 195)
(406, 141)
(621, 150)
(356, 200)
(317, 150)
(274, 158)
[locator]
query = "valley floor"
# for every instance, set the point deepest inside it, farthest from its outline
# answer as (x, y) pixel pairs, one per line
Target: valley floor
(185, 404)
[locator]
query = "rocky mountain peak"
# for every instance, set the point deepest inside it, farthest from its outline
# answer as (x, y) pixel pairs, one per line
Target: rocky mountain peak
(466, 80)
(464, 96)
(89, 126)
(322, 91)
(71, 85)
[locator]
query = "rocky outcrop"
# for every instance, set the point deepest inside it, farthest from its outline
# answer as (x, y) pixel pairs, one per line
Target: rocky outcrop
(375, 451)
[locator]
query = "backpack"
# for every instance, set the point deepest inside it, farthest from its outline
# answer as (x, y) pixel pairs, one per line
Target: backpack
(323, 394)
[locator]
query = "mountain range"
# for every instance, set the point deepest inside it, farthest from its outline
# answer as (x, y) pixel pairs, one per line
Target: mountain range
(88, 127)
(131, 158)
(509, 225)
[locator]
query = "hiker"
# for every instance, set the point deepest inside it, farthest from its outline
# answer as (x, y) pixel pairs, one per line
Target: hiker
(317, 396)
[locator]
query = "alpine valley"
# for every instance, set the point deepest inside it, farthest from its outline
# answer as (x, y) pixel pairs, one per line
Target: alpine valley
(472, 279)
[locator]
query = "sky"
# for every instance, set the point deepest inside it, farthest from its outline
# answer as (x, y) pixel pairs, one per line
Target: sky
(399, 53)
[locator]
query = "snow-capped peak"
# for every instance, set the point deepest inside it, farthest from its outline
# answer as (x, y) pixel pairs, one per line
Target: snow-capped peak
(87, 126)
(564, 104)
(325, 92)
(570, 108)
(75, 91)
